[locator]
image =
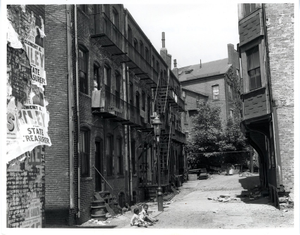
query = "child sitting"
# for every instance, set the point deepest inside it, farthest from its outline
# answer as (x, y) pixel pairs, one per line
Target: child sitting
(144, 216)
(136, 220)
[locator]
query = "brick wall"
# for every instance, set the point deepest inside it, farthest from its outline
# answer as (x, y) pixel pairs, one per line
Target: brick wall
(57, 156)
(205, 86)
(25, 191)
(280, 33)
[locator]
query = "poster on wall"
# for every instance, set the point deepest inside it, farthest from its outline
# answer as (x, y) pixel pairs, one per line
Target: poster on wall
(36, 58)
(27, 116)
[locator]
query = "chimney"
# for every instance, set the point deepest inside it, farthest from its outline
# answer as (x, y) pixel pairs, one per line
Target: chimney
(232, 56)
(164, 52)
(175, 69)
(163, 40)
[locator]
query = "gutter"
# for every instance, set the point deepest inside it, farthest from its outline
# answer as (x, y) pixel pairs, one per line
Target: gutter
(70, 106)
(77, 109)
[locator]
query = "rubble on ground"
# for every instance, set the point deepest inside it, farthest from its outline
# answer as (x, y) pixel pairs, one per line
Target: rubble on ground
(285, 202)
(225, 198)
(245, 174)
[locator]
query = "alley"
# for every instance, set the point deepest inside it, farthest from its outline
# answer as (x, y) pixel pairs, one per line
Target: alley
(195, 207)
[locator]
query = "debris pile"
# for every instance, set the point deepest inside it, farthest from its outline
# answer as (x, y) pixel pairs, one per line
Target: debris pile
(96, 222)
(225, 198)
(285, 202)
(245, 174)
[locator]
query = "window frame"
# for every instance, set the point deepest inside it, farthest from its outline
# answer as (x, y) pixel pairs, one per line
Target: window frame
(256, 78)
(120, 163)
(118, 88)
(83, 65)
(97, 78)
(84, 8)
(84, 148)
(109, 152)
(107, 75)
(213, 94)
(143, 101)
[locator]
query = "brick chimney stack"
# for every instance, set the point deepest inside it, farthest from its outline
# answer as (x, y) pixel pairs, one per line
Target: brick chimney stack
(164, 52)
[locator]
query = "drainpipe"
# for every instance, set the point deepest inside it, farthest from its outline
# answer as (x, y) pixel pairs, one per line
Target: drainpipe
(130, 164)
(70, 104)
(127, 127)
(77, 107)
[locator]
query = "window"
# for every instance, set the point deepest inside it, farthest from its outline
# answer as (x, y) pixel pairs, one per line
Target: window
(248, 8)
(135, 44)
(119, 156)
(137, 98)
(96, 77)
(84, 8)
(153, 64)
(131, 93)
(118, 89)
(147, 54)
(109, 155)
(253, 67)
(229, 92)
(231, 113)
(149, 108)
(143, 101)
(85, 152)
(142, 48)
(216, 92)
(115, 18)
(83, 68)
(133, 157)
(107, 75)
(129, 35)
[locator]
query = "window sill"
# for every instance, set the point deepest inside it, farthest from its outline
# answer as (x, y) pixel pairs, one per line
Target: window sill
(257, 90)
(83, 94)
(88, 178)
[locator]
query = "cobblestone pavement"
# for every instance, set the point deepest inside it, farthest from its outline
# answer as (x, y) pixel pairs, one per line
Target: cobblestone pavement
(197, 206)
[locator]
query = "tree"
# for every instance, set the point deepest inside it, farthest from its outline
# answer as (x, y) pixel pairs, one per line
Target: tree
(207, 131)
(208, 138)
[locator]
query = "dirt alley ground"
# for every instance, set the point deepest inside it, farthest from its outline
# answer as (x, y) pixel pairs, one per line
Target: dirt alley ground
(192, 208)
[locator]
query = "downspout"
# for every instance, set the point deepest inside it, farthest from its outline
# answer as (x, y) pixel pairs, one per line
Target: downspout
(127, 127)
(70, 104)
(130, 164)
(77, 110)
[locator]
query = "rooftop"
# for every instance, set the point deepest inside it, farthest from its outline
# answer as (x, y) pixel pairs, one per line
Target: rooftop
(205, 70)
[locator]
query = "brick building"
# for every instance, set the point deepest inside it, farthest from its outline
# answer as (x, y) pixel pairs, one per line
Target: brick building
(267, 58)
(106, 82)
(27, 117)
(216, 82)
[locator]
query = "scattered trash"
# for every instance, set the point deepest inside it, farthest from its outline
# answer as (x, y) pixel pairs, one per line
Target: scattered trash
(285, 202)
(245, 174)
(98, 222)
(225, 198)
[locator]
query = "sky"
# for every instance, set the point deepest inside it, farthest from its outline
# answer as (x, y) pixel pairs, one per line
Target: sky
(193, 32)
